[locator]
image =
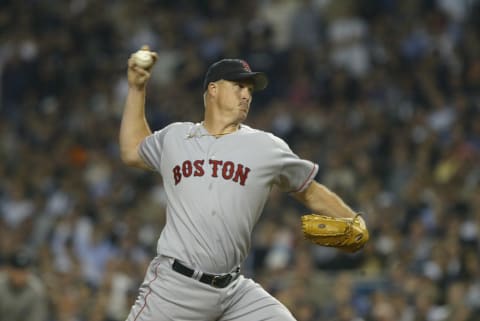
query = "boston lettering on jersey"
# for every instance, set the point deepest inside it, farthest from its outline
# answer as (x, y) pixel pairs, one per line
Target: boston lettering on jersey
(228, 170)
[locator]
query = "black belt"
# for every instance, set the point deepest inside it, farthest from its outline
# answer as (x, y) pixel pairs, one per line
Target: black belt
(217, 281)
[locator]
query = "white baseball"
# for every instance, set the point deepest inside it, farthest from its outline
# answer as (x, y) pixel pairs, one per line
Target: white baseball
(143, 58)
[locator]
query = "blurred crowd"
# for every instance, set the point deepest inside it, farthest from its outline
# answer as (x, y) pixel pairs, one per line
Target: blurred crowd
(383, 94)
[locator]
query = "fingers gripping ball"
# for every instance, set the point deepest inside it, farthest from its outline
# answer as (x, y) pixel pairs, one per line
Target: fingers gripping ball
(143, 58)
(347, 234)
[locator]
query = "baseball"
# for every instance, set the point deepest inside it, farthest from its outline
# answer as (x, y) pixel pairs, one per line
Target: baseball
(143, 58)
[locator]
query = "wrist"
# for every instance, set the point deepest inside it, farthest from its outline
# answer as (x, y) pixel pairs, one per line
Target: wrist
(137, 88)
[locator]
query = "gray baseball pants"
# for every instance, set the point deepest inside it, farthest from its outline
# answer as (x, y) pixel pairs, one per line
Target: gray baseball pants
(167, 295)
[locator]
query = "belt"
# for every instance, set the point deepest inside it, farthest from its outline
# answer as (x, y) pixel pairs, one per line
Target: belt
(217, 281)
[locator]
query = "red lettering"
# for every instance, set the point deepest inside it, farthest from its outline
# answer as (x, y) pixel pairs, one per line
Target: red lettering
(198, 168)
(228, 169)
(187, 168)
(215, 164)
(242, 174)
(176, 174)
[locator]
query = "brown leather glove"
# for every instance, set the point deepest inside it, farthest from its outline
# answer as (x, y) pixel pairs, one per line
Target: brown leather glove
(346, 234)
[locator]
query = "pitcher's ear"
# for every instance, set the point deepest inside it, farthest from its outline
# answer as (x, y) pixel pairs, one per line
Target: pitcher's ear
(212, 88)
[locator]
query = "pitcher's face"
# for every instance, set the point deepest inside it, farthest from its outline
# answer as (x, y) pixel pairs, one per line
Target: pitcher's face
(234, 98)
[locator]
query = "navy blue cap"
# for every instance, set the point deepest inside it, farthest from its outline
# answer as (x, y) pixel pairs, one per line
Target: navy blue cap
(234, 69)
(21, 259)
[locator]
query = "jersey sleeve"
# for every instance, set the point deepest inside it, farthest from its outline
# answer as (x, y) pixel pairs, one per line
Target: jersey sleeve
(151, 147)
(295, 174)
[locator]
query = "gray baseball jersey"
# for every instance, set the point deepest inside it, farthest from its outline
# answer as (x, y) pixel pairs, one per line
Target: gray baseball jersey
(217, 188)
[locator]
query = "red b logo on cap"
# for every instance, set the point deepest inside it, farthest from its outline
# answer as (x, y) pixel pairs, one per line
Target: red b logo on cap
(245, 66)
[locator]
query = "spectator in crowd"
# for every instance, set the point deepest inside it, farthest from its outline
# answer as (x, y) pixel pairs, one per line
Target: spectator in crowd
(22, 293)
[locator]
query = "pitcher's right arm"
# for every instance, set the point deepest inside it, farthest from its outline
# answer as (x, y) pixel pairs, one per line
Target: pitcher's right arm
(134, 126)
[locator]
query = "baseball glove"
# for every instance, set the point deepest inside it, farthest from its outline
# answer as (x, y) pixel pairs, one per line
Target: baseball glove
(346, 234)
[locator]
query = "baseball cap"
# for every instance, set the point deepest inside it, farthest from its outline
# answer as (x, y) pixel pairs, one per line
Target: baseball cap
(234, 69)
(21, 259)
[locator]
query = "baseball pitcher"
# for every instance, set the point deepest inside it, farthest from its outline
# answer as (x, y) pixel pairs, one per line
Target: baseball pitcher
(217, 175)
